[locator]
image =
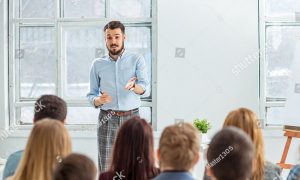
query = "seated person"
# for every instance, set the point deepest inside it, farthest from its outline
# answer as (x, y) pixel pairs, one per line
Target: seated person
(178, 152)
(49, 142)
(294, 173)
(133, 152)
(230, 155)
(247, 120)
(75, 167)
(47, 106)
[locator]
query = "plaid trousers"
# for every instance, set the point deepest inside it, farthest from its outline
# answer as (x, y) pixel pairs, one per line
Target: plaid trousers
(108, 125)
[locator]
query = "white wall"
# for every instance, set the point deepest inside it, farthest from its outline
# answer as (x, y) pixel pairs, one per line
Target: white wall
(217, 35)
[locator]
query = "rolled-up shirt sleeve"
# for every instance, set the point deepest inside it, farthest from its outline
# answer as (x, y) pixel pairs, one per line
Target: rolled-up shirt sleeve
(94, 85)
(142, 76)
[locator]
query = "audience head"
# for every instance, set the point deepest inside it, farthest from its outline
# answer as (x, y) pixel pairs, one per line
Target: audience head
(114, 37)
(247, 120)
(50, 106)
(114, 25)
(133, 151)
(48, 143)
(230, 155)
(75, 167)
(179, 147)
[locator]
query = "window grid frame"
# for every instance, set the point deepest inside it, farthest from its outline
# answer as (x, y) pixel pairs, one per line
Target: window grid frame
(264, 22)
(58, 23)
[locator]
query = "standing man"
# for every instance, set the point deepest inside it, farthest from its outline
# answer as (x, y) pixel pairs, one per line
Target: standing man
(116, 82)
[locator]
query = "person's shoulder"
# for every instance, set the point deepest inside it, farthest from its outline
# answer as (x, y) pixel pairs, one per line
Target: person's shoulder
(100, 60)
(16, 155)
(174, 175)
(269, 166)
(295, 171)
(133, 55)
(12, 163)
(272, 171)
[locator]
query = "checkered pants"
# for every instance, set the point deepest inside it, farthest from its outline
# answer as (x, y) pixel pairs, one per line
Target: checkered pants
(108, 125)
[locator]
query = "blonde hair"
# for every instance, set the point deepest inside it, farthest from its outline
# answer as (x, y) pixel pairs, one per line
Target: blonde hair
(178, 146)
(48, 143)
(247, 120)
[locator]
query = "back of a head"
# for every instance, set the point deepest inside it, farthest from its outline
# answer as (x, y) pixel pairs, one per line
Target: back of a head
(247, 120)
(50, 106)
(49, 141)
(230, 155)
(75, 167)
(133, 150)
(179, 145)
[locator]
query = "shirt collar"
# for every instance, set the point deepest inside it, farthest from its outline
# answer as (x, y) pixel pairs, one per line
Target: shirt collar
(119, 57)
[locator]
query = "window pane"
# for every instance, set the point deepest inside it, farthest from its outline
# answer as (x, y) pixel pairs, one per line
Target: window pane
(130, 8)
(36, 55)
(274, 116)
(280, 51)
(27, 115)
(35, 8)
(82, 46)
(84, 8)
(82, 115)
(286, 8)
(139, 41)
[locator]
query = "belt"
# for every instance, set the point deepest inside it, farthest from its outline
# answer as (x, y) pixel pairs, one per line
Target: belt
(121, 113)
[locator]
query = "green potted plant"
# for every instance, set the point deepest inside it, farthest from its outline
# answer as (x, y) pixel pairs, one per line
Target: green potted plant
(203, 126)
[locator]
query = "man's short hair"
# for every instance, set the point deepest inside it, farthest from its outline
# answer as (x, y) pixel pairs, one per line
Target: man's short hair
(50, 106)
(115, 25)
(178, 146)
(230, 155)
(75, 167)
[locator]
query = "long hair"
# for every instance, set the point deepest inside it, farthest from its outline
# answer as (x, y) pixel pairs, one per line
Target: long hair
(247, 120)
(48, 143)
(133, 151)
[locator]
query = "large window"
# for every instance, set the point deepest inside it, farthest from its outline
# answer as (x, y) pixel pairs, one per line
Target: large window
(279, 39)
(52, 46)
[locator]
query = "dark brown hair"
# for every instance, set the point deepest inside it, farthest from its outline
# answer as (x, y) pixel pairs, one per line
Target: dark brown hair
(230, 155)
(75, 167)
(114, 25)
(133, 151)
(50, 106)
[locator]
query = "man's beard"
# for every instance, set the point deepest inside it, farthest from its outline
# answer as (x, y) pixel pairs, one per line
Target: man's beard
(116, 52)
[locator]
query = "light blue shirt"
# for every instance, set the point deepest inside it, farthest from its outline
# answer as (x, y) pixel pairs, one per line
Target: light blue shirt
(12, 164)
(111, 76)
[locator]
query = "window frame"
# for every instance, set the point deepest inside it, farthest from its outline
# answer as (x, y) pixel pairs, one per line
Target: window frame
(59, 23)
(264, 22)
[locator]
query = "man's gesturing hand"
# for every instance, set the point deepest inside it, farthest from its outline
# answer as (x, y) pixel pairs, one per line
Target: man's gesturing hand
(130, 83)
(103, 99)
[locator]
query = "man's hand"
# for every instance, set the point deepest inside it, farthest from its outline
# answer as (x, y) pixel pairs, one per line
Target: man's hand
(130, 84)
(103, 99)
